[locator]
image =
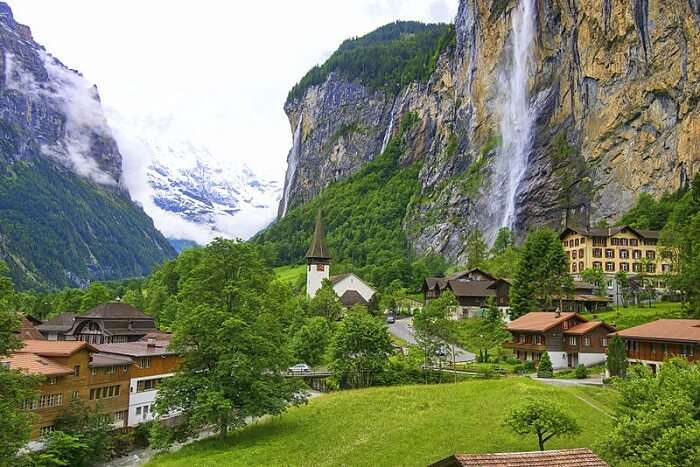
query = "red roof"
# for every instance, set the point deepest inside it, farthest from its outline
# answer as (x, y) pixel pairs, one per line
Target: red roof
(541, 320)
(36, 364)
(560, 458)
(672, 330)
(54, 348)
(584, 328)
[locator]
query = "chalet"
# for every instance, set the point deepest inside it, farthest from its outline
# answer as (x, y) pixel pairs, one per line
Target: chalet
(615, 249)
(568, 338)
(471, 288)
(562, 457)
(28, 329)
(107, 323)
(152, 362)
(584, 299)
(349, 287)
(651, 343)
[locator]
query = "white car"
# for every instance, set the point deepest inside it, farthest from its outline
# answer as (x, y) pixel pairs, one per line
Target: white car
(299, 368)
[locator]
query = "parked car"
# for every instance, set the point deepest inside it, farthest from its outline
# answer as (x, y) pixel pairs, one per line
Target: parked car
(441, 351)
(299, 368)
(390, 319)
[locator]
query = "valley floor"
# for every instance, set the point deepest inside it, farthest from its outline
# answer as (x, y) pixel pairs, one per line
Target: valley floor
(399, 426)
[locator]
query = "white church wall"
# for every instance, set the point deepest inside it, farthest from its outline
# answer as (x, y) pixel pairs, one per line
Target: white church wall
(315, 275)
(352, 282)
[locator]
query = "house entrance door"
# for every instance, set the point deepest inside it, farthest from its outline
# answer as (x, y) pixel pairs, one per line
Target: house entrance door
(572, 360)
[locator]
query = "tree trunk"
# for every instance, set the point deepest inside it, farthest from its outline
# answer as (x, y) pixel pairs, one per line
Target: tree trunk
(540, 441)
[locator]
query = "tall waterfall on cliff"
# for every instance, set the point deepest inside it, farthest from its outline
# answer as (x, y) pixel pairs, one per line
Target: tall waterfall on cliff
(387, 135)
(517, 117)
(292, 162)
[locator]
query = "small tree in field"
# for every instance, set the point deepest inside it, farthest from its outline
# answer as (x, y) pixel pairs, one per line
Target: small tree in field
(545, 370)
(617, 357)
(544, 419)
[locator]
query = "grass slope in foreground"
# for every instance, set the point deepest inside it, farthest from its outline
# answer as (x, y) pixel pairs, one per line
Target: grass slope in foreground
(398, 426)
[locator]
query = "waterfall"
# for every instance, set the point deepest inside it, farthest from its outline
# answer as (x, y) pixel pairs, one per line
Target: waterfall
(517, 116)
(387, 135)
(292, 162)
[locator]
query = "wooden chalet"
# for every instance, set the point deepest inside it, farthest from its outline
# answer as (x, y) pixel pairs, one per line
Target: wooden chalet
(471, 289)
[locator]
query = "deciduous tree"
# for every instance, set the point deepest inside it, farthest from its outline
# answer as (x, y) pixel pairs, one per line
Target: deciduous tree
(544, 419)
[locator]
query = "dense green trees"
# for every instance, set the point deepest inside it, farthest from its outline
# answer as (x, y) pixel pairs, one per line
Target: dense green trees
(387, 59)
(617, 357)
(15, 387)
(544, 369)
(311, 340)
(360, 349)
(596, 276)
(476, 248)
(229, 325)
(541, 274)
(326, 303)
(658, 417)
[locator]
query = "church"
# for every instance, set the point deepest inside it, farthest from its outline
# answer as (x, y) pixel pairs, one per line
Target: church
(349, 287)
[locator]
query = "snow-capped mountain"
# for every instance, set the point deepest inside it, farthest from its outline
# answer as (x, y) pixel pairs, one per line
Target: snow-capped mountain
(190, 192)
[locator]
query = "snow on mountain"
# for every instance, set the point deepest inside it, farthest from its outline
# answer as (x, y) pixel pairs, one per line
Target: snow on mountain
(191, 193)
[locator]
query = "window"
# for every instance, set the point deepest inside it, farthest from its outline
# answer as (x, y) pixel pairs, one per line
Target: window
(30, 404)
(665, 268)
(651, 267)
(145, 362)
(573, 254)
(568, 253)
(651, 254)
(50, 400)
(687, 350)
(148, 385)
(604, 341)
(625, 267)
(120, 417)
(609, 253)
(580, 253)
(636, 254)
(104, 392)
(521, 338)
(634, 242)
(76, 371)
(52, 380)
(597, 252)
(583, 240)
(573, 340)
(576, 242)
(600, 241)
(597, 265)
(566, 243)
(580, 266)
(610, 266)
(93, 371)
(636, 267)
(610, 284)
(624, 254)
(138, 410)
(110, 370)
(75, 396)
(573, 267)
(46, 430)
(587, 341)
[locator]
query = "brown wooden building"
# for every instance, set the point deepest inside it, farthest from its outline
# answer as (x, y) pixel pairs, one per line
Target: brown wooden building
(568, 338)
(654, 342)
(471, 288)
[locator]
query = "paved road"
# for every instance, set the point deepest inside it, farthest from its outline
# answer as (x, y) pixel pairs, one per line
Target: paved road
(594, 381)
(403, 329)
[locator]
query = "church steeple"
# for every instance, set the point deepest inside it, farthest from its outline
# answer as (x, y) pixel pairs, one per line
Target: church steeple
(318, 258)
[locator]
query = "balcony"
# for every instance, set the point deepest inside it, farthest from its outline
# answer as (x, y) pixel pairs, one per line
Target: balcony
(526, 347)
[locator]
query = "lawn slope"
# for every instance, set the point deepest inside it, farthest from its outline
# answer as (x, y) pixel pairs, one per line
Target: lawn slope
(397, 426)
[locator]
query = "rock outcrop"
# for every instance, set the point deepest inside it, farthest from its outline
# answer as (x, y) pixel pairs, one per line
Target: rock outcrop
(615, 94)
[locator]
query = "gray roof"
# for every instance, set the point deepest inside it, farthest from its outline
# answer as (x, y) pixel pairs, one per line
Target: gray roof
(352, 298)
(318, 248)
(62, 322)
(116, 311)
(136, 349)
(610, 231)
(101, 360)
(335, 279)
(472, 288)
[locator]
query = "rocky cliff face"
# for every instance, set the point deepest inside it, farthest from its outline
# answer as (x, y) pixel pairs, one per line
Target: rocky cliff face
(612, 97)
(65, 218)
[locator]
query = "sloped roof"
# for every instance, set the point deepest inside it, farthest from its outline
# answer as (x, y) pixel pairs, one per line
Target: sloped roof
(29, 331)
(136, 349)
(35, 364)
(472, 288)
(610, 231)
(585, 328)
(431, 282)
(158, 335)
(62, 322)
(460, 274)
(557, 458)
(115, 311)
(54, 348)
(335, 279)
(101, 360)
(318, 248)
(540, 321)
(673, 330)
(352, 298)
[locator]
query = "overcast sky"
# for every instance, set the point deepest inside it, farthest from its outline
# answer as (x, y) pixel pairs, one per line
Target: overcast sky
(220, 70)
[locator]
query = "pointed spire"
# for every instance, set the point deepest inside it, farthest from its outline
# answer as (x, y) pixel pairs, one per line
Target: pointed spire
(318, 248)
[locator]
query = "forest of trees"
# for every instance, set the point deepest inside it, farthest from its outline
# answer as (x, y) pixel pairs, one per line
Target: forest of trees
(387, 59)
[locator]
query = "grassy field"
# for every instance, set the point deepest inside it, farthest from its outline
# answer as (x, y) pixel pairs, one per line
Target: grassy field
(398, 426)
(290, 274)
(624, 318)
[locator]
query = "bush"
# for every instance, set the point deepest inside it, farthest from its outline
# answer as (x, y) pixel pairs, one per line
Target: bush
(529, 365)
(581, 371)
(544, 370)
(141, 435)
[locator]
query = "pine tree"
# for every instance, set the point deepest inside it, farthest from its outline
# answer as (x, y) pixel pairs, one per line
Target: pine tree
(617, 357)
(477, 251)
(544, 369)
